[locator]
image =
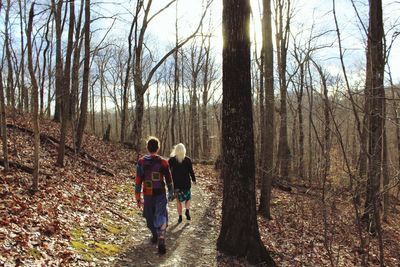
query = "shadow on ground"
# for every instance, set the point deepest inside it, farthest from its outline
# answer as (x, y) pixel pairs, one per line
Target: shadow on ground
(190, 243)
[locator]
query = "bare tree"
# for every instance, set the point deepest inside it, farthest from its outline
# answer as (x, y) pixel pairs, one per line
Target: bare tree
(7, 44)
(85, 82)
(65, 89)
(24, 101)
(142, 83)
(267, 143)
(35, 102)
(282, 21)
(3, 122)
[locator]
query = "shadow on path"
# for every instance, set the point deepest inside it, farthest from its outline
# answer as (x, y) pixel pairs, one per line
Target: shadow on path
(190, 243)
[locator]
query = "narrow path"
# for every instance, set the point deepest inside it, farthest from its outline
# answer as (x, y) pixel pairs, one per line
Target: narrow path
(190, 243)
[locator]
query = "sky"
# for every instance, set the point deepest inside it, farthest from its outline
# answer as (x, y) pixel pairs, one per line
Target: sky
(308, 13)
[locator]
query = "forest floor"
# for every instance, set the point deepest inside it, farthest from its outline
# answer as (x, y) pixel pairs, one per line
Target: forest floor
(84, 215)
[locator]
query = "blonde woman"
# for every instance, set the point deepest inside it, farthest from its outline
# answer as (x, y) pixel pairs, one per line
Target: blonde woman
(182, 175)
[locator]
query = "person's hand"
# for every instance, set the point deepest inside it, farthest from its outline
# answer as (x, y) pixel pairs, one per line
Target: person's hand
(140, 203)
(171, 195)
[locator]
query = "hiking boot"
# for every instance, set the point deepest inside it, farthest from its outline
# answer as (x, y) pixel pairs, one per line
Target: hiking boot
(154, 239)
(161, 247)
(187, 215)
(180, 219)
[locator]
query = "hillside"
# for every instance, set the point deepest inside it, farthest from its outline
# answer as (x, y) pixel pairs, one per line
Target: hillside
(84, 215)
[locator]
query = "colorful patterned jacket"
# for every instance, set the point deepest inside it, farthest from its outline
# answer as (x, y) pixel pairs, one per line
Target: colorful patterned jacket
(153, 173)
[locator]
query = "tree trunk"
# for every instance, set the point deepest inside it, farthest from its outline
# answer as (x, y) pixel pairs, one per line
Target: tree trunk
(45, 51)
(50, 73)
(59, 64)
(85, 82)
(310, 96)
(35, 119)
(65, 119)
(137, 124)
(241, 238)
(268, 122)
(376, 98)
(176, 80)
(10, 78)
(282, 47)
(385, 176)
(74, 101)
(301, 124)
(3, 123)
(204, 114)
(24, 102)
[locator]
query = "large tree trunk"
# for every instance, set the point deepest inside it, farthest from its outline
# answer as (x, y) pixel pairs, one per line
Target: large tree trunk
(242, 237)
(268, 123)
(85, 82)
(35, 100)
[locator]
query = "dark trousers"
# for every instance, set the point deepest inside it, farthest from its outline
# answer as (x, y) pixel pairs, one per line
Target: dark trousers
(155, 212)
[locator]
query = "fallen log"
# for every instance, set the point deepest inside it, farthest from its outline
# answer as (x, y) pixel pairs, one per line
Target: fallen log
(44, 138)
(22, 167)
(98, 169)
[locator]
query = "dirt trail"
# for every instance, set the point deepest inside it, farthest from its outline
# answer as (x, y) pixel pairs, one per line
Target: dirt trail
(190, 243)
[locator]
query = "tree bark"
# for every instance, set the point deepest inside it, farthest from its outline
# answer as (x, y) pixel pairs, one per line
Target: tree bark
(282, 47)
(10, 78)
(376, 97)
(85, 82)
(35, 100)
(268, 122)
(241, 238)
(66, 94)
(3, 123)
(24, 101)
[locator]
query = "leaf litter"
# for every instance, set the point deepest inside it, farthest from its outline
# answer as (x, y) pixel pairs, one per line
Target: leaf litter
(80, 217)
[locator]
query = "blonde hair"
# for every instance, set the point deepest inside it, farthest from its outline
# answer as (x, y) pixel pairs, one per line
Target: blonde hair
(179, 151)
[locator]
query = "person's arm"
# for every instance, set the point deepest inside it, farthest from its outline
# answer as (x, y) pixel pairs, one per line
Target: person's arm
(191, 172)
(138, 184)
(168, 178)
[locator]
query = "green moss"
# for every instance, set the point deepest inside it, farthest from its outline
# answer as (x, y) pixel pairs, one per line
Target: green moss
(79, 246)
(129, 212)
(35, 253)
(106, 249)
(87, 257)
(113, 229)
(77, 233)
(128, 188)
